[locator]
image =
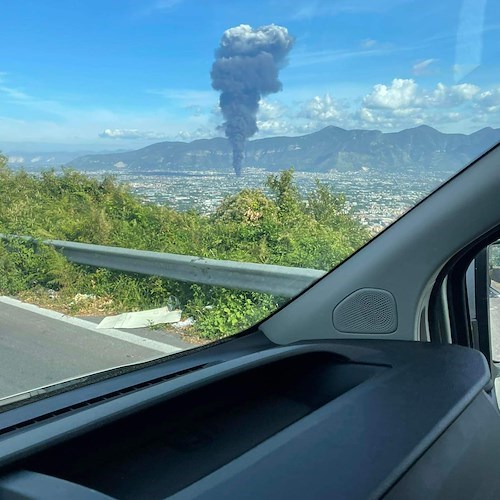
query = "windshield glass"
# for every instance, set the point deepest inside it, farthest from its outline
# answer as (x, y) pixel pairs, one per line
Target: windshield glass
(201, 163)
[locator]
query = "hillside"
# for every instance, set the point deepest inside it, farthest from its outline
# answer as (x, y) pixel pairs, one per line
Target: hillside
(330, 148)
(39, 160)
(282, 227)
(35, 160)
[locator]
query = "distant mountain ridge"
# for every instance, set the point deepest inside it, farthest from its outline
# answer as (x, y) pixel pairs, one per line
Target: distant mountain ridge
(29, 160)
(33, 160)
(331, 148)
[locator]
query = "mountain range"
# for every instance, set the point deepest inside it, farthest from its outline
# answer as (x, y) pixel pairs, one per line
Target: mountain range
(36, 160)
(331, 148)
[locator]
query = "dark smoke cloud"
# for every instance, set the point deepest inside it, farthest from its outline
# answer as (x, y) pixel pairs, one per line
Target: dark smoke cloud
(246, 68)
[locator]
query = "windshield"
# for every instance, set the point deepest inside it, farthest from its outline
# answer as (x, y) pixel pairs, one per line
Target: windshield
(173, 171)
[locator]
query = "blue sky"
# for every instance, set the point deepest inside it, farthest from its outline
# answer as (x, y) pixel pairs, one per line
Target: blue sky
(113, 74)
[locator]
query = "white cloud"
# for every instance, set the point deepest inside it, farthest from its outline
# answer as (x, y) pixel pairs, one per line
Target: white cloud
(399, 104)
(244, 39)
(15, 94)
(308, 58)
(322, 109)
(421, 68)
(100, 126)
(159, 6)
(271, 110)
(288, 125)
(11, 92)
(187, 97)
(376, 47)
(405, 93)
(52, 121)
(118, 133)
(198, 133)
(368, 43)
(404, 103)
(455, 95)
(312, 9)
(400, 94)
(273, 118)
(274, 127)
(490, 100)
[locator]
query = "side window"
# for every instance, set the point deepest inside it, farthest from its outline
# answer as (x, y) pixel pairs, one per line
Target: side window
(481, 308)
(494, 296)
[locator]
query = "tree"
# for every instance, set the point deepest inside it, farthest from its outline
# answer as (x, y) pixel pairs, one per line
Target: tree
(326, 207)
(283, 188)
(3, 161)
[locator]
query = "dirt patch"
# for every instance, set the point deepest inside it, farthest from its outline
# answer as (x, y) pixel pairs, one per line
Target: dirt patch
(83, 306)
(78, 305)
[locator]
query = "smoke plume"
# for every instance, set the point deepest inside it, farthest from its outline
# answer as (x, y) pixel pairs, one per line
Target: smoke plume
(245, 69)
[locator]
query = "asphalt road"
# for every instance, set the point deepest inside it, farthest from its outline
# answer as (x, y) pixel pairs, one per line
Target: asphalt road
(40, 347)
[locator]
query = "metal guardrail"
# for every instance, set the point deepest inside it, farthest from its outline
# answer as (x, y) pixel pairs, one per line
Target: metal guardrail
(275, 280)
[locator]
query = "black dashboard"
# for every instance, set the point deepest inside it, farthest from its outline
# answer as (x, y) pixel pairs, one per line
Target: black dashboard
(248, 419)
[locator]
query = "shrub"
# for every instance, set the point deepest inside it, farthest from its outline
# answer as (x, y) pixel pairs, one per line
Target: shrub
(282, 227)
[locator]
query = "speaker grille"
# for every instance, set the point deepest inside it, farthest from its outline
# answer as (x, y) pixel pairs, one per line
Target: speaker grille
(369, 310)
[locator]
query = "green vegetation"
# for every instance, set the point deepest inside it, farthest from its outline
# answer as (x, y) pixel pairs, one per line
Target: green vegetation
(494, 255)
(281, 227)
